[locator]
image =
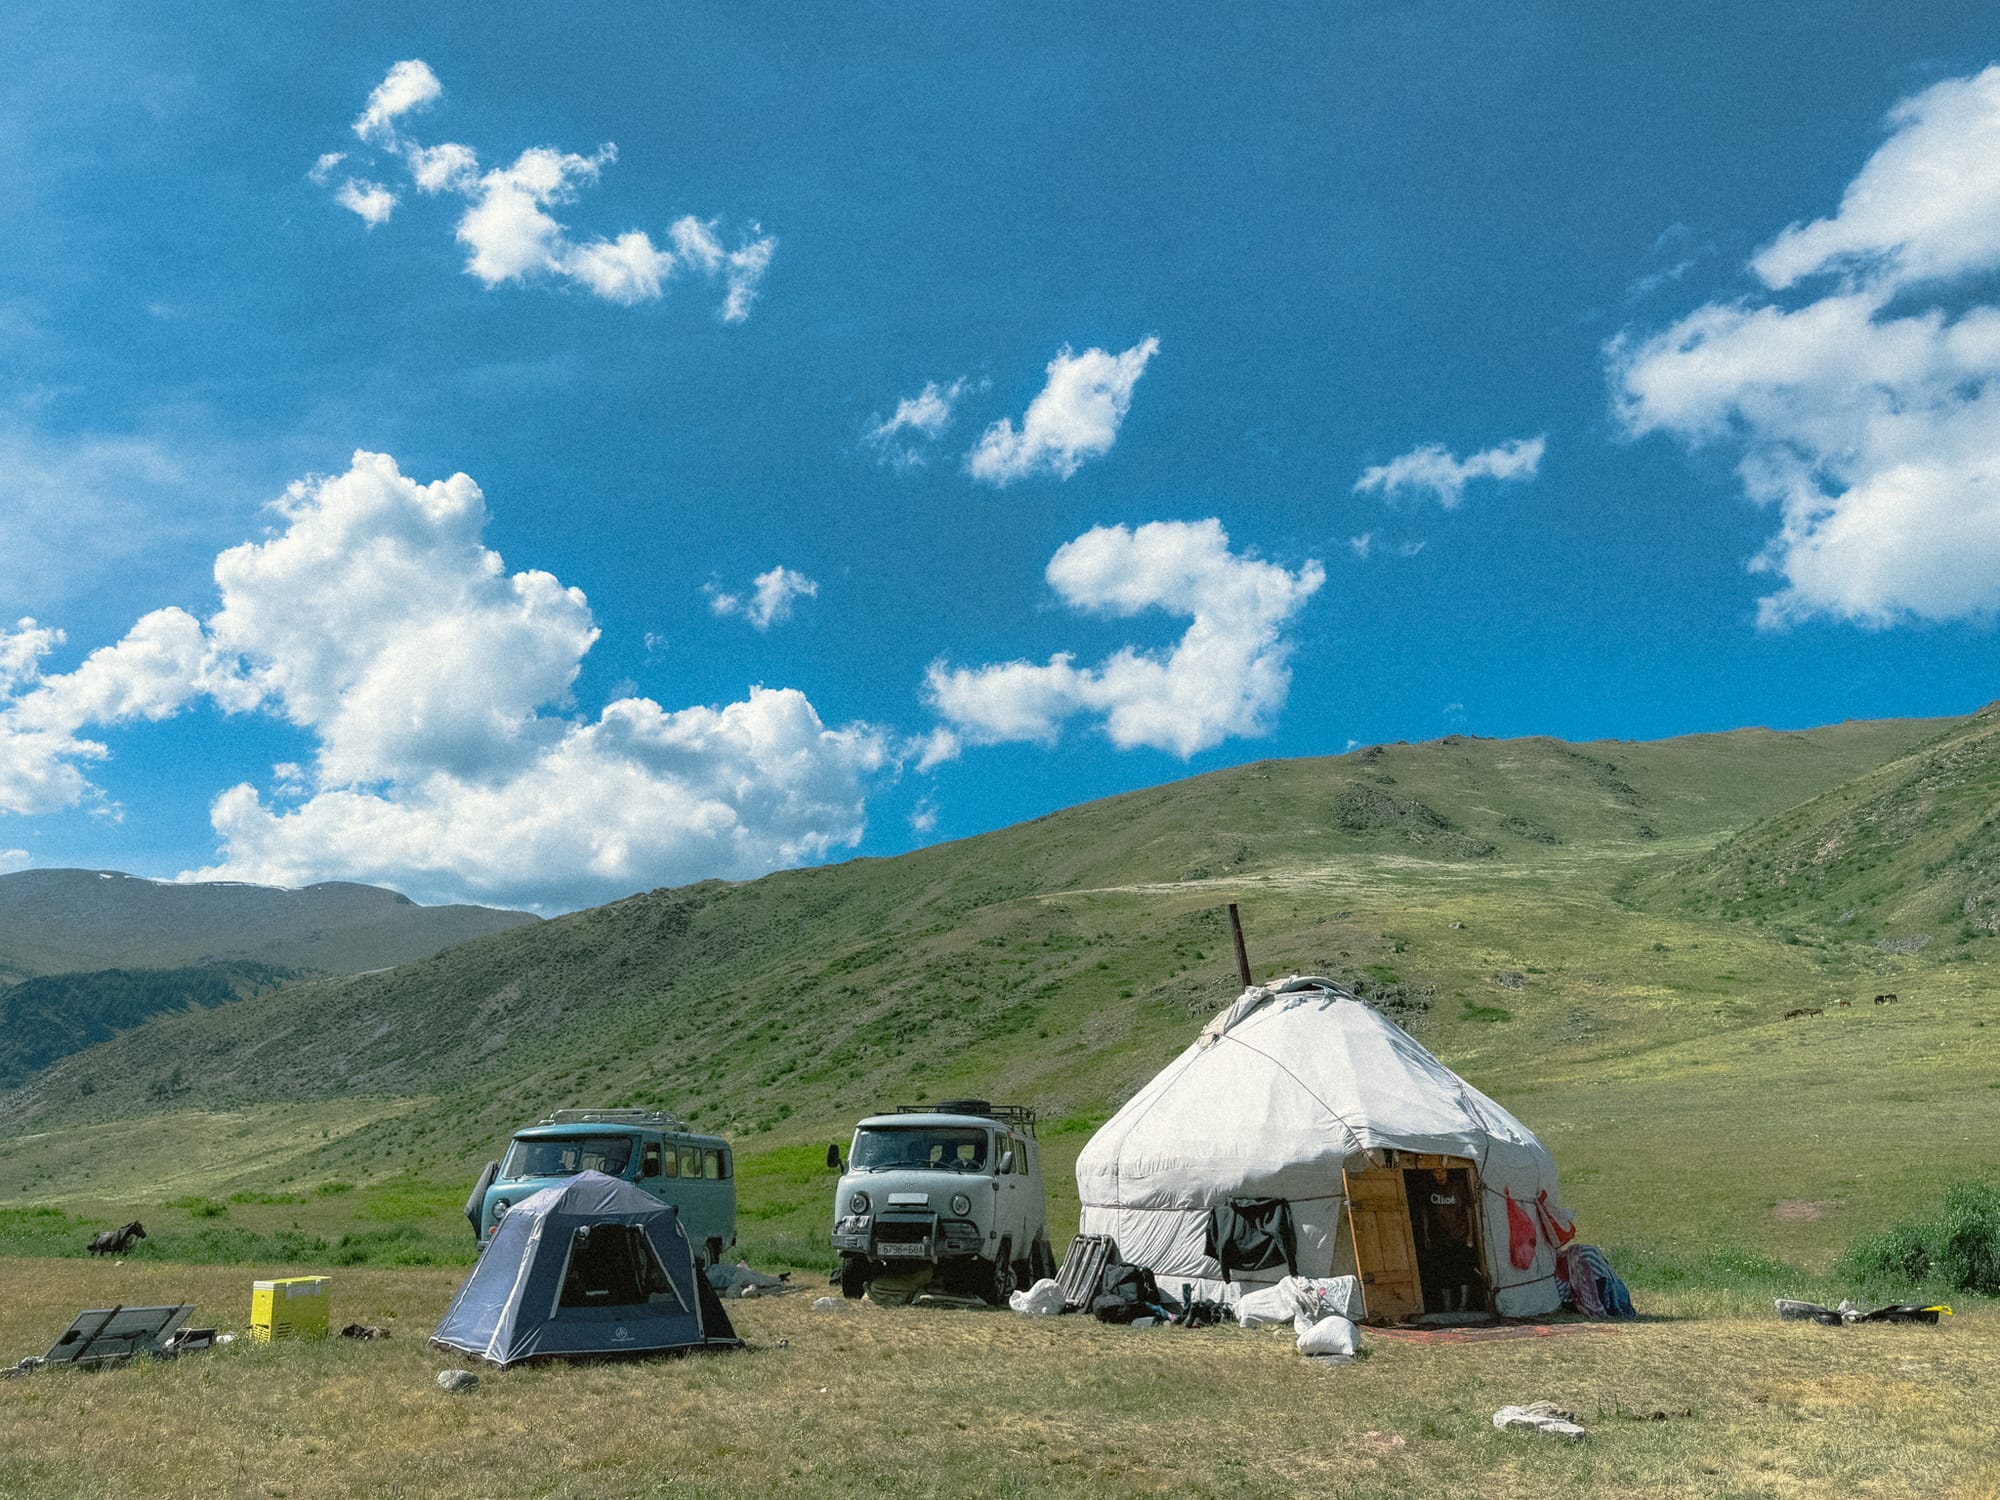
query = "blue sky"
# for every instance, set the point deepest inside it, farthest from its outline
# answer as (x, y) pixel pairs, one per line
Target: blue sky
(530, 454)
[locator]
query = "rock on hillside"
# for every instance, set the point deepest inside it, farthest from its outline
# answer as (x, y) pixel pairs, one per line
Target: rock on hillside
(61, 921)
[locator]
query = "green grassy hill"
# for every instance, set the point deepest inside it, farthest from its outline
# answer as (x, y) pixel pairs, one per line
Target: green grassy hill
(1905, 855)
(48, 1018)
(1479, 890)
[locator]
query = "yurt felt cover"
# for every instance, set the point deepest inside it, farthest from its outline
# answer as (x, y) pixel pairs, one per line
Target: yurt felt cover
(590, 1268)
(1286, 1087)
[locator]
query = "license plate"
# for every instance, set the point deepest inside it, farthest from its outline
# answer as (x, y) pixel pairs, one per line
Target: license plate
(890, 1252)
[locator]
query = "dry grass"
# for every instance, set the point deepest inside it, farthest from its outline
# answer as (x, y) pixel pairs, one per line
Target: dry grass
(920, 1402)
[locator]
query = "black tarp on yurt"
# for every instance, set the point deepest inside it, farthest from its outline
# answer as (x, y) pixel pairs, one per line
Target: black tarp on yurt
(592, 1268)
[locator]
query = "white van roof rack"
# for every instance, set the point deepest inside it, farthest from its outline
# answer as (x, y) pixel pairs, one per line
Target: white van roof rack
(1019, 1116)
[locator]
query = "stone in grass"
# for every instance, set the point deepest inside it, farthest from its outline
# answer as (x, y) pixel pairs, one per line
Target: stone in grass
(1544, 1417)
(457, 1381)
(828, 1304)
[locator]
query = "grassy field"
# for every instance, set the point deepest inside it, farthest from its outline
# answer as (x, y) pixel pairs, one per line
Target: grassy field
(1691, 1121)
(869, 1401)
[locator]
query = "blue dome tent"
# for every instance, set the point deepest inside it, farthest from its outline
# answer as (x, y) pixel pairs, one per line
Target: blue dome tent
(591, 1268)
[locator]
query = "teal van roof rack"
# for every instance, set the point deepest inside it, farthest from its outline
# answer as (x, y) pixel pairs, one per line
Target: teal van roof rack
(660, 1119)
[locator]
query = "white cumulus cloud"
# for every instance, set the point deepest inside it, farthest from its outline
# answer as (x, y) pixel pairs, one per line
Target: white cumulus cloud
(741, 269)
(377, 619)
(1226, 676)
(37, 766)
(640, 796)
(771, 598)
(1925, 206)
(409, 85)
(1075, 417)
(14, 859)
(148, 675)
(21, 651)
(449, 167)
(373, 202)
(151, 673)
(509, 228)
(900, 438)
(435, 685)
(1432, 469)
(1867, 414)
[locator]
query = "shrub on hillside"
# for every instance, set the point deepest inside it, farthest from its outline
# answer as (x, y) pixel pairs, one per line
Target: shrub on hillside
(1959, 1249)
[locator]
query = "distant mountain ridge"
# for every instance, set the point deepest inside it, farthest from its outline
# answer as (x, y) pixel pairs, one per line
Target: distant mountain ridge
(68, 921)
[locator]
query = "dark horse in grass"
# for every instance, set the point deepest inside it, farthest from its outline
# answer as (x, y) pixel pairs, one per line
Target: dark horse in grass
(117, 1241)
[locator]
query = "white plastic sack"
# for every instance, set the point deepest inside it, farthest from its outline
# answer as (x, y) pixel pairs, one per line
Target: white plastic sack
(1340, 1294)
(1042, 1300)
(1332, 1334)
(1300, 1300)
(1271, 1304)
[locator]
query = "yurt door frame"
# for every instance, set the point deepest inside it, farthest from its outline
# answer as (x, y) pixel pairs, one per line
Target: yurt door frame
(1385, 1245)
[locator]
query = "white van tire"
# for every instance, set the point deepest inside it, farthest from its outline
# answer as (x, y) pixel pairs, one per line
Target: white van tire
(1000, 1280)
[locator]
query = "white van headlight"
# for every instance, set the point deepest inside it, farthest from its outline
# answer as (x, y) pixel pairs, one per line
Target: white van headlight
(857, 1202)
(960, 1204)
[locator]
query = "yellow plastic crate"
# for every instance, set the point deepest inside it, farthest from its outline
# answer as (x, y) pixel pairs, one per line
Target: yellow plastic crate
(291, 1307)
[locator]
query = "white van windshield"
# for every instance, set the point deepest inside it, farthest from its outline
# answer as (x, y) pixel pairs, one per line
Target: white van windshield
(609, 1154)
(955, 1148)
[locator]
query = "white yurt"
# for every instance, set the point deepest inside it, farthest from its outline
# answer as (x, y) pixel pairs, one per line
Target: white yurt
(1304, 1131)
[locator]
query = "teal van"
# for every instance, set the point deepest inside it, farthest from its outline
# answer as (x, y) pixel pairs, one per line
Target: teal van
(695, 1173)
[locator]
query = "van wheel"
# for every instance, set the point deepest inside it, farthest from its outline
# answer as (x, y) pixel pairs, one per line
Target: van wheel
(1000, 1281)
(715, 1249)
(853, 1275)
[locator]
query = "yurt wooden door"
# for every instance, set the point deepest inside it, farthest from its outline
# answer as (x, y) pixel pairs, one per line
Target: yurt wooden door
(1385, 1251)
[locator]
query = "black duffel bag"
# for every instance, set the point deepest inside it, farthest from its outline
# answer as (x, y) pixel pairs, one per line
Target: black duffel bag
(1127, 1292)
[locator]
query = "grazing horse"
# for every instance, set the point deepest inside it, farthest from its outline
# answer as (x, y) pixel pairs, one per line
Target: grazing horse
(117, 1241)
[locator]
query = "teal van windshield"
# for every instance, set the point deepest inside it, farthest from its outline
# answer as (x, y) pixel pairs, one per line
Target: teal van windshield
(609, 1154)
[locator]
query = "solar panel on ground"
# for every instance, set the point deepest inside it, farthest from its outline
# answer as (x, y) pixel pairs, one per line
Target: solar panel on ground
(105, 1333)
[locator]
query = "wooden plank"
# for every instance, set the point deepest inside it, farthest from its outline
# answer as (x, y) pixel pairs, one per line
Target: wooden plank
(1385, 1251)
